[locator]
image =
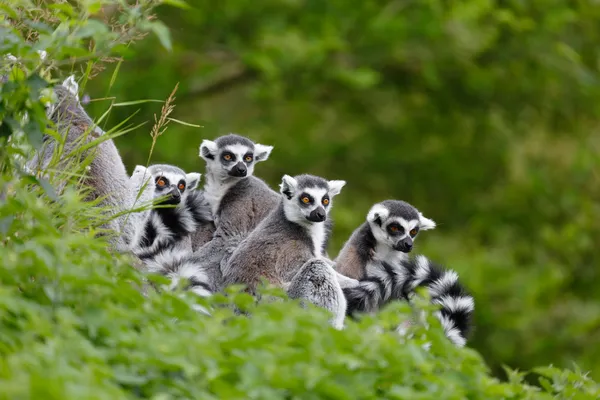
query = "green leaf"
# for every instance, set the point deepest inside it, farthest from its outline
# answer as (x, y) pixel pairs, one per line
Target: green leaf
(48, 188)
(177, 3)
(184, 123)
(92, 28)
(5, 224)
(36, 83)
(134, 102)
(163, 34)
(34, 133)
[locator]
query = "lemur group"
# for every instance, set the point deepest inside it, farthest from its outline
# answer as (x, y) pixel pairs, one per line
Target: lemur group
(235, 229)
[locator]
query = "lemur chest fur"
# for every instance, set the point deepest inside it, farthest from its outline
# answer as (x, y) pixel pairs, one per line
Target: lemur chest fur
(214, 191)
(318, 235)
(390, 256)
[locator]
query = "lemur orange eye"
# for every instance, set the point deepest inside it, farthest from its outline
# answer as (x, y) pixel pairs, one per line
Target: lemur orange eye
(227, 157)
(248, 158)
(305, 200)
(161, 182)
(394, 228)
(413, 232)
(325, 201)
(181, 186)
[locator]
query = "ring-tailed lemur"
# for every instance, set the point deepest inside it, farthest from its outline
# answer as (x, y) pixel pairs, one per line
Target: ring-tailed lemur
(106, 176)
(162, 241)
(239, 201)
(376, 255)
(286, 248)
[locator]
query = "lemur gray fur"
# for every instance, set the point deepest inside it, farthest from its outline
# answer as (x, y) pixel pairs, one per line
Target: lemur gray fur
(162, 241)
(286, 248)
(107, 176)
(239, 201)
(376, 255)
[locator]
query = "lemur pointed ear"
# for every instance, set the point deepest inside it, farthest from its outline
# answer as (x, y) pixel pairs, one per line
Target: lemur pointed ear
(192, 179)
(288, 186)
(261, 152)
(425, 224)
(377, 214)
(208, 149)
(71, 86)
(335, 187)
(139, 169)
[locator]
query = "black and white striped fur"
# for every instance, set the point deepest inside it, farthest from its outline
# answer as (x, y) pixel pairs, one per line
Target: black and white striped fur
(163, 240)
(376, 256)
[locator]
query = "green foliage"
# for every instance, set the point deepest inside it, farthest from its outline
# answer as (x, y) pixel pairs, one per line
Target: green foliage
(77, 321)
(483, 114)
(76, 324)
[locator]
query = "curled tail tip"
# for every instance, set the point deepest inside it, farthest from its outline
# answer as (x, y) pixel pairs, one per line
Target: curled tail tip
(455, 317)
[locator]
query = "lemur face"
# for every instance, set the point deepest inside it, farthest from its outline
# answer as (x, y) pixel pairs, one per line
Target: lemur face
(307, 198)
(233, 156)
(167, 181)
(396, 224)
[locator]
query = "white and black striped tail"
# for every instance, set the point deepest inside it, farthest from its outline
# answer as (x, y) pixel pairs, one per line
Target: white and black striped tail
(457, 305)
(399, 283)
(177, 266)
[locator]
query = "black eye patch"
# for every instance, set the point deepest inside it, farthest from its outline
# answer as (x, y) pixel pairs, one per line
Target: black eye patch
(161, 182)
(228, 156)
(395, 229)
(305, 199)
(248, 158)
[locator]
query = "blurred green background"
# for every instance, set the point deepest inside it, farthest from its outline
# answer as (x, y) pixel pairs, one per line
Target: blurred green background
(483, 114)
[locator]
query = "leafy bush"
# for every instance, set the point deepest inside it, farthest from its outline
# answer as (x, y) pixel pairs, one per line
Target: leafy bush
(77, 321)
(481, 113)
(76, 324)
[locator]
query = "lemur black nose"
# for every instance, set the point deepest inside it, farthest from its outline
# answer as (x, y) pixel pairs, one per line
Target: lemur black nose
(317, 215)
(241, 169)
(408, 247)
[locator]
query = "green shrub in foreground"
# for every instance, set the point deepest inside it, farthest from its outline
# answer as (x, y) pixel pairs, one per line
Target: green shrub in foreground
(75, 324)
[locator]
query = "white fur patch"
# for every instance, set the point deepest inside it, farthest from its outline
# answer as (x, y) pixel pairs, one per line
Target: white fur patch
(377, 211)
(422, 271)
(456, 304)
(72, 86)
(426, 223)
(441, 285)
(214, 191)
(451, 331)
(335, 187)
(376, 270)
(288, 184)
(261, 152)
(346, 282)
(317, 234)
(210, 146)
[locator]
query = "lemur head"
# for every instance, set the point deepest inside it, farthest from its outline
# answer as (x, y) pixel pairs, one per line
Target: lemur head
(167, 181)
(307, 199)
(233, 156)
(396, 224)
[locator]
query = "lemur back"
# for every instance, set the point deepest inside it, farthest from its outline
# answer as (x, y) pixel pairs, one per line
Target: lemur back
(107, 176)
(376, 255)
(286, 247)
